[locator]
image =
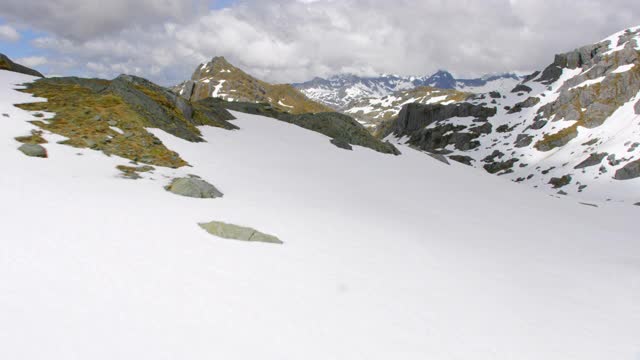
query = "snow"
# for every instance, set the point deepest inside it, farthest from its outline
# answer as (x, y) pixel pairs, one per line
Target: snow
(217, 89)
(283, 104)
(623, 68)
(116, 129)
(420, 261)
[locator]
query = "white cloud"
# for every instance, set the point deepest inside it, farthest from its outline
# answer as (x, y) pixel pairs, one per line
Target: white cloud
(8, 33)
(295, 40)
(32, 61)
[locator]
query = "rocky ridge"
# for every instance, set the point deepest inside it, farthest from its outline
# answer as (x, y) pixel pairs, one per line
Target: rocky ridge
(219, 79)
(572, 128)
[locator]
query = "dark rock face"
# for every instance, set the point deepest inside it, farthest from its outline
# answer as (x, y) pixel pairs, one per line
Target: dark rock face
(342, 144)
(523, 140)
(496, 154)
(521, 88)
(637, 107)
(560, 182)
(7, 64)
(440, 157)
(416, 120)
(467, 160)
(593, 160)
(495, 95)
(629, 171)
(496, 167)
(530, 102)
(414, 117)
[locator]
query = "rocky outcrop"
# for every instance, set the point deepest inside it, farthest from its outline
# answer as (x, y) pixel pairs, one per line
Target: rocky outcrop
(7, 64)
(521, 88)
(629, 171)
(219, 79)
(193, 187)
(571, 60)
(529, 102)
(593, 160)
(235, 232)
(428, 129)
(33, 150)
(561, 181)
(334, 125)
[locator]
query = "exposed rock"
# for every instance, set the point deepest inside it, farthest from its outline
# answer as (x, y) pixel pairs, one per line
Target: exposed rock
(560, 182)
(496, 154)
(331, 124)
(7, 64)
(341, 144)
(521, 88)
(193, 187)
(133, 172)
(495, 95)
(561, 138)
(637, 107)
(593, 160)
(633, 147)
(235, 232)
(33, 150)
(529, 102)
(591, 142)
(482, 129)
(467, 160)
(523, 140)
(496, 167)
(629, 171)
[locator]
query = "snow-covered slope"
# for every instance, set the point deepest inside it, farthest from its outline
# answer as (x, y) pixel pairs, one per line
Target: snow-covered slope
(573, 128)
(341, 91)
(383, 256)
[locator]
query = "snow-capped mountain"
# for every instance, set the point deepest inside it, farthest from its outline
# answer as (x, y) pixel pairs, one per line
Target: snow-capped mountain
(220, 79)
(340, 91)
(571, 129)
(105, 256)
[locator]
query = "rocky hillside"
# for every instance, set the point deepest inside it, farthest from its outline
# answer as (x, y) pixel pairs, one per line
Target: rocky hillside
(340, 91)
(373, 111)
(219, 79)
(572, 128)
(7, 64)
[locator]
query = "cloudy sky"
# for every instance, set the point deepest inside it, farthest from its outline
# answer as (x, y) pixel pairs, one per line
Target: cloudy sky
(295, 40)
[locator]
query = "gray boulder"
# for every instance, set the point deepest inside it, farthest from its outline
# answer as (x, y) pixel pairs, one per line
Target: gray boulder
(637, 107)
(194, 187)
(33, 150)
(235, 232)
(629, 171)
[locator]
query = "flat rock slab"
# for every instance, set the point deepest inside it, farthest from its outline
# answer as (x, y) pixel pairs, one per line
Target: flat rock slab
(236, 232)
(194, 187)
(33, 150)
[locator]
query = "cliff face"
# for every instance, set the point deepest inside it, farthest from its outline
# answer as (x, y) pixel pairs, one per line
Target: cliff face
(7, 64)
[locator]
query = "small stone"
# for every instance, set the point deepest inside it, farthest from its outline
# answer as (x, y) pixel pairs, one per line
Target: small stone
(112, 123)
(5, 115)
(33, 150)
(97, 118)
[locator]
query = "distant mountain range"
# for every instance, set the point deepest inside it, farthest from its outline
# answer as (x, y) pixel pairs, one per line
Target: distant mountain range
(340, 91)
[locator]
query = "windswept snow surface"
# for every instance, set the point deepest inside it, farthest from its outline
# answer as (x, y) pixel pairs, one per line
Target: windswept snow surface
(385, 257)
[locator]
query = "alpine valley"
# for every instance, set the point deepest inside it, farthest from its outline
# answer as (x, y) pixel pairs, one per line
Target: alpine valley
(385, 217)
